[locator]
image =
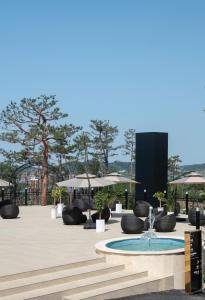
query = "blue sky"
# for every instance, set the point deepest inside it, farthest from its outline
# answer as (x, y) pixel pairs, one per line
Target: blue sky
(139, 64)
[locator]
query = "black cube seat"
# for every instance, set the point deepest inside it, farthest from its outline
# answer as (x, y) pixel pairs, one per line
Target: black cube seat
(73, 216)
(9, 211)
(165, 223)
(131, 224)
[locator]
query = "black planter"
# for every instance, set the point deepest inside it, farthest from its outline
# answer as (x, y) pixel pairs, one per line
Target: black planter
(130, 224)
(73, 216)
(141, 208)
(192, 217)
(165, 223)
(9, 211)
(104, 215)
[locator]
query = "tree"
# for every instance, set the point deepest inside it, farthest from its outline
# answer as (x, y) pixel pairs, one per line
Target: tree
(34, 125)
(64, 148)
(7, 171)
(103, 136)
(83, 143)
(130, 148)
(173, 166)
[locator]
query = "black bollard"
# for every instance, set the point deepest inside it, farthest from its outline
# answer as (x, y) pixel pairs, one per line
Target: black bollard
(26, 196)
(126, 199)
(175, 202)
(145, 195)
(187, 202)
(92, 193)
(2, 194)
(197, 218)
(165, 194)
(74, 194)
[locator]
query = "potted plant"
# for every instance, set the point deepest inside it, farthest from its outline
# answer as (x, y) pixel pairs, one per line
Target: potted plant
(57, 193)
(119, 197)
(202, 197)
(160, 197)
(100, 200)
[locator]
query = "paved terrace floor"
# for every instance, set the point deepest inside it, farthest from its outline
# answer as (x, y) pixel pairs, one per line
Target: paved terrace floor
(34, 240)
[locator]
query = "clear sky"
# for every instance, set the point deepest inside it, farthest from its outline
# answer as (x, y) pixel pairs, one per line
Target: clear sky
(138, 63)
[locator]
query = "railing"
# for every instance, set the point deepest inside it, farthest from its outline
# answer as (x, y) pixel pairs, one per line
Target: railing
(33, 197)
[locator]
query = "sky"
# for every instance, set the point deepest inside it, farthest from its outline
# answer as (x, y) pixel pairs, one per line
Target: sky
(138, 63)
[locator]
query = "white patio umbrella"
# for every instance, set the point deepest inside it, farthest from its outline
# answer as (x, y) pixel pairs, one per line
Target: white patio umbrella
(118, 178)
(4, 183)
(190, 178)
(81, 181)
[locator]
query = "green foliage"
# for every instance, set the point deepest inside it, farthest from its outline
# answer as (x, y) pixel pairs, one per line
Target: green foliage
(103, 136)
(34, 125)
(160, 196)
(100, 201)
(58, 192)
(202, 196)
(173, 166)
(119, 192)
(7, 171)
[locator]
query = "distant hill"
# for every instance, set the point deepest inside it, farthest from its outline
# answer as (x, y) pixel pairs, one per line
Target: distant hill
(123, 167)
(195, 168)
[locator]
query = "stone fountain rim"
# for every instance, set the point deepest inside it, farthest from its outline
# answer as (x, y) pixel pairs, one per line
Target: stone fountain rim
(101, 247)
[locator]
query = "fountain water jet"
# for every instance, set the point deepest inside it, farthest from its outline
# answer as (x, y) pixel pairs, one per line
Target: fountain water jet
(150, 234)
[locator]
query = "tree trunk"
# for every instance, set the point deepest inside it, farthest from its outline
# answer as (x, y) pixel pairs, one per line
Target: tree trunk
(44, 187)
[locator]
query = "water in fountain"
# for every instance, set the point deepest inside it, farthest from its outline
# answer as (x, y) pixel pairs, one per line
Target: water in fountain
(149, 235)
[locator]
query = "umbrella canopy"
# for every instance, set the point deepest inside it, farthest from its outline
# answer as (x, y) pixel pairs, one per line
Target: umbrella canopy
(81, 181)
(117, 178)
(191, 178)
(4, 183)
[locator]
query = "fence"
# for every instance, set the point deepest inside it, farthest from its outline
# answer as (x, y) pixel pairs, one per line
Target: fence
(33, 197)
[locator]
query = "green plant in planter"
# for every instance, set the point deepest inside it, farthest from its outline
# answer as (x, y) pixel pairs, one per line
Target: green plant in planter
(169, 204)
(100, 201)
(57, 193)
(202, 197)
(119, 193)
(160, 196)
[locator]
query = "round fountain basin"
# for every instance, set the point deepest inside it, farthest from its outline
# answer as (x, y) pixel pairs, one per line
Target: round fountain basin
(155, 244)
(162, 256)
(128, 246)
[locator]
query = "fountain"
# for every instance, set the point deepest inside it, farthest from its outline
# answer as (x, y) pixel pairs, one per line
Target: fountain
(148, 235)
(160, 255)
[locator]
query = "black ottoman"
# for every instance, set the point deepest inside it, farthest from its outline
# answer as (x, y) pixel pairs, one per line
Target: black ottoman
(73, 216)
(165, 224)
(131, 224)
(9, 211)
(141, 208)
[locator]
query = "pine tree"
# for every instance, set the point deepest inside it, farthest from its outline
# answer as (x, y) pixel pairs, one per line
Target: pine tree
(34, 125)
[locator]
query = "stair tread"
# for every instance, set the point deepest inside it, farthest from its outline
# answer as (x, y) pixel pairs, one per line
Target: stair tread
(113, 287)
(67, 273)
(51, 269)
(107, 279)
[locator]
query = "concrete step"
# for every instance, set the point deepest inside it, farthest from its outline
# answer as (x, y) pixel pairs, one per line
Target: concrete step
(52, 269)
(55, 278)
(56, 292)
(127, 288)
